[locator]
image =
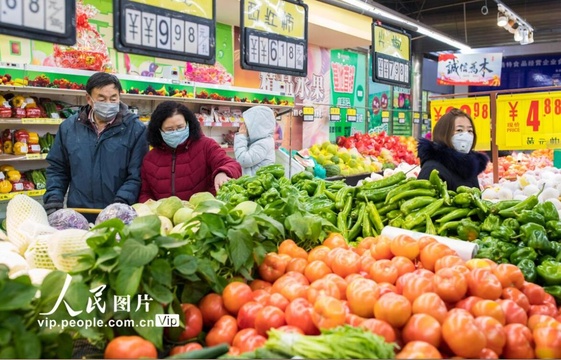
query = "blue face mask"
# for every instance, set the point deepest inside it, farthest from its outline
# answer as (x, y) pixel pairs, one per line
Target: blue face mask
(174, 138)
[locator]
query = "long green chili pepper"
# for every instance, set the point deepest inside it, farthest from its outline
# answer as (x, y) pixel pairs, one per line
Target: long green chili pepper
(441, 186)
(456, 214)
(526, 204)
(416, 203)
(342, 195)
(395, 178)
(367, 226)
(412, 221)
(501, 205)
(451, 225)
(375, 218)
(320, 189)
(410, 194)
(383, 210)
(429, 229)
(357, 226)
(409, 185)
(330, 195)
(342, 224)
(444, 210)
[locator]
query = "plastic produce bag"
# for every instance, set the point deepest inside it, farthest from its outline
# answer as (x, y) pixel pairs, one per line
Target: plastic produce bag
(117, 210)
(68, 219)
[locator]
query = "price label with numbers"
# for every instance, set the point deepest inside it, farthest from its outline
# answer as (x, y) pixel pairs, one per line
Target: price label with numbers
(46, 121)
(529, 121)
(351, 115)
(479, 110)
(385, 116)
(180, 30)
(391, 56)
(45, 20)
(274, 36)
(35, 192)
(33, 156)
(308, 113)
(334, 114)
(416, 118)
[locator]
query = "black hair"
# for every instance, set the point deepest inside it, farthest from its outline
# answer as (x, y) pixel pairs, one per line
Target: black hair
(165, 110)
(102, 79)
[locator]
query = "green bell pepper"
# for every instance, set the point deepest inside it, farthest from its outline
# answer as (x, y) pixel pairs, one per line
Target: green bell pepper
(470, 190)
(276, 170)
(467, 230)
(493, 249)
(491, 223)
(303, 175)
(319, 203)
(328, 215)
(309, 186)
(555, 291)
(335, 185)
(528, 268)
(550, 272)
(267, 180)
(530, 216)
(254, 188)
(236, 199)
(462, 199)
(534, 236)
(511, 223)
(268, 197)
(544, 258)
(523, 253)
(547, 210)
(504, 233)
(553, 229)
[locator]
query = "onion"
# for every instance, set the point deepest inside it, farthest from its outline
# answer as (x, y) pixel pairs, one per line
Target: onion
(531, 190)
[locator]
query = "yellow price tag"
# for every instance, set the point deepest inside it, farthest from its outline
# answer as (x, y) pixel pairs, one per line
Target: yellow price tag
(334, 111)
(33, 156)
(479, 110)
(308, 110)
(46, 121)
(35, 192)
(8, 196)
(351, 112)
(529, 121)
(276, 16)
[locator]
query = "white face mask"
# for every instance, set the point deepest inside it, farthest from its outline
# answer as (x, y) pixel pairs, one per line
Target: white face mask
(462, 142)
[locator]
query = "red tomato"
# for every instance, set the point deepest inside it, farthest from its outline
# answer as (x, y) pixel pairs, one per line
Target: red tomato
(318, 253)
(418, 350)
(345, 263)
(415, 286)
(278, 300)
(483, 283)
(549, 299)
(366, 262)
(548, 342)
(328, 313)
(297, 264)
(489, 308)
(353, 320)
(272, 267)
(534, 293)
(509, 275)
(519, 341)
(299, 314)
(130, 347)
(402, 280)
(424, 273)
(193, 322)
(540, 320)
(493, 331)
(252, 343)
(185, 348)
(286, 245)
(322, 287)
(450, 284)
(261, 296)
(242, 336)
(513, 313)
(335, 240)
(462, 335)
(364, 245)
(432, 252)
(223, 331)
(270, 317)
(488, 354)
(448, 261)
(248, 313)
(430, 304)
(379, 327)
(289, 247)
(424, 241)
(340, 282)
(259, 284)
(546, 309)
(291, 329)
(468, 303)
(236, 294)
(361, 297)
(517, 296)
(403, 265)
(212, 309)
(316, 270)
(383, 271)
(406, 246)
(422, 327)
(393, 308)
(381, 249)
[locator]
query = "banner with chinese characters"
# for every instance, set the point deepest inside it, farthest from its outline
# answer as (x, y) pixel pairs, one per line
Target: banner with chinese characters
(469, 69)
(348, 84)
(479, 110)
(529, 121)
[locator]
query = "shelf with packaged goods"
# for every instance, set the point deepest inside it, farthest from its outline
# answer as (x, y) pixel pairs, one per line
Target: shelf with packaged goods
(26, 157)
(31, 193)
(30, 121)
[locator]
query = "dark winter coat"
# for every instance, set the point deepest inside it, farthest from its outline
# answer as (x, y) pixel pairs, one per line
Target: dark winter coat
(454, 167)
(184, 171)
(96, 171)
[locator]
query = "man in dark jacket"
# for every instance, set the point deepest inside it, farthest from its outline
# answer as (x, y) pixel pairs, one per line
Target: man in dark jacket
(97, 153)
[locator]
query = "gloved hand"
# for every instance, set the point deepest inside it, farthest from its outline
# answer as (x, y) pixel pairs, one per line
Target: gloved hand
(53, 206)
(119, 200)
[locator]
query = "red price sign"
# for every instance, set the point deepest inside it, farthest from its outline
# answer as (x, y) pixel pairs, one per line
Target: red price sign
(528, 121)
(479, 110)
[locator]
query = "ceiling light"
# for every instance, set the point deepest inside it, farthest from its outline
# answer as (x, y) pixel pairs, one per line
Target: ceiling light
(518, 33)
(502, 19)
(397, 20)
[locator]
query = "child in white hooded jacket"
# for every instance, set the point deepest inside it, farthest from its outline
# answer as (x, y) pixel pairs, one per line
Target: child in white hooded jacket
(254, 145)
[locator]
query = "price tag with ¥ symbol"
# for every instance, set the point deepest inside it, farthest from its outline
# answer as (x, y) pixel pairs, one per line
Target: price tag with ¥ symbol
(351, 115)
(334, 114)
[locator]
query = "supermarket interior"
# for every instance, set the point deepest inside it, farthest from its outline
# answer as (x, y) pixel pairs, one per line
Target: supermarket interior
(407, 203)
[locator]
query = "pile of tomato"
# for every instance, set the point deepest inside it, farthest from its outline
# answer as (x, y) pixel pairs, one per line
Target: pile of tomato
(418, 294)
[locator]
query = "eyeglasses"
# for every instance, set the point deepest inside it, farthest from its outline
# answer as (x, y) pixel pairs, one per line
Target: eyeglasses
(170, 129)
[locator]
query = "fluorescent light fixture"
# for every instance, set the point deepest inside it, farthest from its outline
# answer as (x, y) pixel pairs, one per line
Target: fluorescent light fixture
(502, 19)
(403, 21)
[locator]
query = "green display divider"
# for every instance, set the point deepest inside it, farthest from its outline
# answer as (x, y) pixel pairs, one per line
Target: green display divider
(557, 158)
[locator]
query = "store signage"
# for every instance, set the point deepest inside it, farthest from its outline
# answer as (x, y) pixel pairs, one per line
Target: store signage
(416, 118)
(351, 115)
(334, 114)
(308, 113)
(180, 30)
(469, 69)
(477, 107)
(52, 21)
(529, 121)
(274, 36)
(385, 116)
(402, 124)
(391, 56)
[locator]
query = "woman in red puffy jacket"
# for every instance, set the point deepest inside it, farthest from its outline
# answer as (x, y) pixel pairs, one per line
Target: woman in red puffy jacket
(183, 160)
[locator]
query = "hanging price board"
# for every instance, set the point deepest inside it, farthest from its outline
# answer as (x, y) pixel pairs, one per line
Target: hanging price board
(308, 113)
(351, 115)
(180, 30)
(274, 36)
(529, 121)
(52, 21)
(479, 110)
(391, 56)
(334, 114)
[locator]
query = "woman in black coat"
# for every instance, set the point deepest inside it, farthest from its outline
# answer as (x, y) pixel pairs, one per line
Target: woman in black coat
(451, 151)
